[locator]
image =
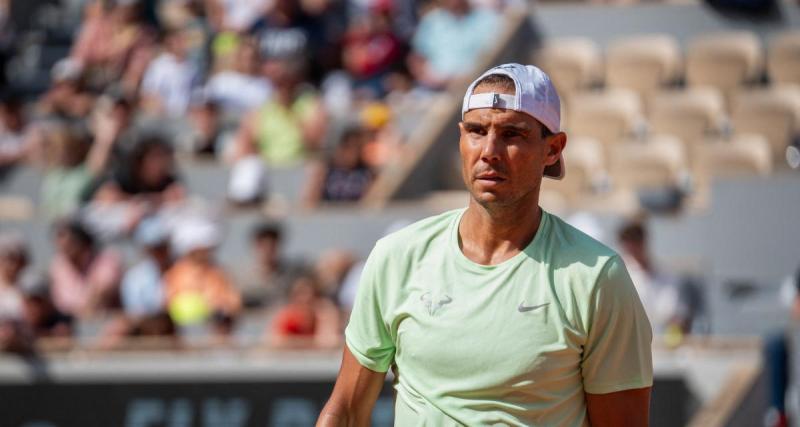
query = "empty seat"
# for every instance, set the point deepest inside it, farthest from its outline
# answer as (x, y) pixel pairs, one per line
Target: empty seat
(643, 63)
(691, 114)
(783, 58)
(743, 154)
(724, 60)
(585, 159)
(607, 115)
(659, 161)
(572, 62)
(773, 112)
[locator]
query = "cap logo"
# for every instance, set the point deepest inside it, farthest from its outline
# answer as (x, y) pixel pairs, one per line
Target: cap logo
(496, 100)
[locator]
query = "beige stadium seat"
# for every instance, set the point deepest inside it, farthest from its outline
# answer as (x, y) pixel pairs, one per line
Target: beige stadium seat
(572, 62)
(608, 115)
(773, 112)
(586, 168)
(659, 161)
(783, 58)
(725, 60)
(643, 63)
(691, 114)
(744, 154)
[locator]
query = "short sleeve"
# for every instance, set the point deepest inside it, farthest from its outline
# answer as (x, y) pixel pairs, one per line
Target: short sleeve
(367, 334)
(617, 355)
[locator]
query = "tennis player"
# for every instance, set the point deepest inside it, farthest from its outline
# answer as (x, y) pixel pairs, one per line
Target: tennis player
(499, 313)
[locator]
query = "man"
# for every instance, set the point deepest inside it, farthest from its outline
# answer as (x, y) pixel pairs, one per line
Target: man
(501, 313)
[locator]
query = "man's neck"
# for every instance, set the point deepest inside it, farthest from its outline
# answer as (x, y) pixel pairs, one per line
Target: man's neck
(490, 236)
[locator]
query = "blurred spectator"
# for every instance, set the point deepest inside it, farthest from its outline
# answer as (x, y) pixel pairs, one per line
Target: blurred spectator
(308, 320)
(142, 182)
(241, 88)
(779, 347)
(382, 141)
(197, 288)
(68, 97)
(371, 50)
(288, 126)
(85, 277)
(287, 33)
(449, 40)
(41, 318)
(344, 176)
(331, 268)
(12, 139)
(72, 163)
(235, 15)
(203, 127)
(660, 293)
(13, 260)
(267, 278)
(113, 38)
(168, 82)
(142, 289)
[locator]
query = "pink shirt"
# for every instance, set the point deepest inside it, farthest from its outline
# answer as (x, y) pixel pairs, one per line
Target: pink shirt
(74, 292)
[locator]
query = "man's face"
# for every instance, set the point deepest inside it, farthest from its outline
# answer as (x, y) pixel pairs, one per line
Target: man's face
(503, 154)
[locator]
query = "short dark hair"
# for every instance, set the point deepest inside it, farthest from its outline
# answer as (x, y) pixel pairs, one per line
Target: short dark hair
(266, 230)
(633, 231)
(504, 82)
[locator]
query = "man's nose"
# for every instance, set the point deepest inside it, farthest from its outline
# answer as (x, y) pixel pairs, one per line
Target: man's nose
(491, 147)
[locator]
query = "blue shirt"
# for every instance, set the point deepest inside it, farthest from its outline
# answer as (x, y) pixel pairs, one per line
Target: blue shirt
(450, 43)
(143, 289)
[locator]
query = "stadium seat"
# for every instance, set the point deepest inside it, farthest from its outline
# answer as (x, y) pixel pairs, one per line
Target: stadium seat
(724, 60)
(657, 162)
(643, 63)
(744, 154)
(773, 112)
(585, 159)
(691, 114)
(783, 58)
(572, 62)
(607, 115)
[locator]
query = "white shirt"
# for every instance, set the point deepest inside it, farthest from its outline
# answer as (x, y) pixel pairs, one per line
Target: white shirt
(171, 80)
(238, 92)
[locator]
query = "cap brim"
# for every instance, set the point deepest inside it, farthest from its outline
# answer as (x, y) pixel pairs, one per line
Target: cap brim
(556, 170)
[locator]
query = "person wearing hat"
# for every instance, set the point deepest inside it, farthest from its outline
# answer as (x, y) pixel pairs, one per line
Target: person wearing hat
(142, 289)
(500, 313)
(197, 289)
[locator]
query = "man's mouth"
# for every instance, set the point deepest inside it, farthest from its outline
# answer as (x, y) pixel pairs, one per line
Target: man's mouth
(490, 177)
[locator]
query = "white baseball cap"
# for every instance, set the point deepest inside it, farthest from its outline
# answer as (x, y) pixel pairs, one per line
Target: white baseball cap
(535, 95)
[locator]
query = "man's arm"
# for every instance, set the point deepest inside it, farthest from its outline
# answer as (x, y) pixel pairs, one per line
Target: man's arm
(353, 396)
(627, 408)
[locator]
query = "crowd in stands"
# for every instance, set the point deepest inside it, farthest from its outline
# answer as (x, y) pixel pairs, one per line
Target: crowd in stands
(248, 85)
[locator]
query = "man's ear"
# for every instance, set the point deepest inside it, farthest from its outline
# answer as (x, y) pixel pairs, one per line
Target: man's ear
(555, 145)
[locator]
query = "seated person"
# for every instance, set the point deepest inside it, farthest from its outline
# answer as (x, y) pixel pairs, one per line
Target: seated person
(307, 320)
(84, 276)
(344, 177)
(267, 277)
(449, 40)
(197, 289)
(290, 125)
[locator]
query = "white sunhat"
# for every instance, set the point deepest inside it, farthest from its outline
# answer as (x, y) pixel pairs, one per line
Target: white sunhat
(535, 95)
(195, 233)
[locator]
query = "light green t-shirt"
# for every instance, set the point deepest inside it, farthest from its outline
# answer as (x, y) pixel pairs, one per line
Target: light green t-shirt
(280, 130)
(516, 343)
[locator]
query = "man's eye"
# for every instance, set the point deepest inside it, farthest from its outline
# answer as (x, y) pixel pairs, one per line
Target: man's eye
(511, 134)
(477, 131)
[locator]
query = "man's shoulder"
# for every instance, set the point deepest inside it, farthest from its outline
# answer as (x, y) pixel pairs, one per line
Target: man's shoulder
(419, 233)
(575, 249)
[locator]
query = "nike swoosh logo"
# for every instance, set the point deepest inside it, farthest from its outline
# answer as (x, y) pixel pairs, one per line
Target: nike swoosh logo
(523, 308)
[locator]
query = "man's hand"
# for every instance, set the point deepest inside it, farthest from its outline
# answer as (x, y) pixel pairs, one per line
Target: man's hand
(627, 408)
(353, 396)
